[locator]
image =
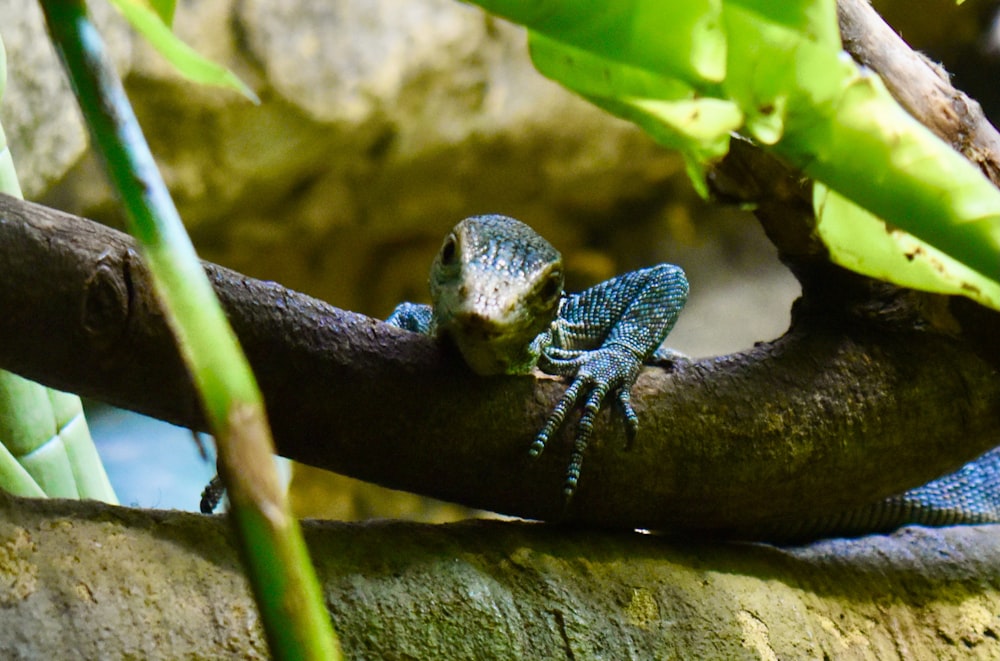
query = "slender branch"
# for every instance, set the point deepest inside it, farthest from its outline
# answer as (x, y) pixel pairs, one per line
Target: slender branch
(838, 412)
(920, 86)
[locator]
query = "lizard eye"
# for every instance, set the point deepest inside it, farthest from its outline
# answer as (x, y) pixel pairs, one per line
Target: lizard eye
(552, 286)
(448, 250)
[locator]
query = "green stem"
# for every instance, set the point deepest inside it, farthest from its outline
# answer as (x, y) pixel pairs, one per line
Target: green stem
(284, 582)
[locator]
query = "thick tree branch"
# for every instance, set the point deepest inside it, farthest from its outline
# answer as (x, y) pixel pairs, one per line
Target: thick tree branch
(842, 410)
(867, 395)
(491, 590)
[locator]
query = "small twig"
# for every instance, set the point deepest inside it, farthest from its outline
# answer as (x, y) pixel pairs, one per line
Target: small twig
(920, 86)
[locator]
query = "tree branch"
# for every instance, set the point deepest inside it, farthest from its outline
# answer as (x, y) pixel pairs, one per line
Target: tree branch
(492, 590)
(874, 390)
(842, 410)
(920, 86)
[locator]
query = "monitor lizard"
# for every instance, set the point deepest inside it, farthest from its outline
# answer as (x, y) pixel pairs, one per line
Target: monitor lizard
(497, 293)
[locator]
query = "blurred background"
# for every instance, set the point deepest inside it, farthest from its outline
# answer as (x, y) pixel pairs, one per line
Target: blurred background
(381, 125)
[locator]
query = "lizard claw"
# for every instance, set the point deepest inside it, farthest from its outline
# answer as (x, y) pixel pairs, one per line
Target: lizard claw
(631, 419)
(556, 418)
(585, 431)
(599, 372)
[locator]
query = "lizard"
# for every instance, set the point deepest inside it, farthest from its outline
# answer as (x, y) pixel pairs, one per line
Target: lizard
(496, 288)
(497, 293)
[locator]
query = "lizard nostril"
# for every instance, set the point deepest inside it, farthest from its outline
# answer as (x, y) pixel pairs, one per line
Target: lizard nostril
(552, 286)
(448, 250)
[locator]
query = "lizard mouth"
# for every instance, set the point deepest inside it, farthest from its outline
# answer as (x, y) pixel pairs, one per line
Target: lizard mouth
(492, 347)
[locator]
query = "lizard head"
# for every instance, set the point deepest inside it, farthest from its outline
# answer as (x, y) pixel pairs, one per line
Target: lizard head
(495, 286)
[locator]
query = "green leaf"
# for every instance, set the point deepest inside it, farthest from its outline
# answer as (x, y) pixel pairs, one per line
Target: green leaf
(864, 243)
(14, 479)
(164, 9)
(185, 59)
(814, 19)
(785, 83)
(667, 108)
(28, 429)
(88, 470)
(683, 39)
(779, 75)
(882, 159)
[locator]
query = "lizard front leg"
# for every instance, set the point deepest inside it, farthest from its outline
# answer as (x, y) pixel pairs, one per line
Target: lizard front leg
(414, 317)
(601, 337)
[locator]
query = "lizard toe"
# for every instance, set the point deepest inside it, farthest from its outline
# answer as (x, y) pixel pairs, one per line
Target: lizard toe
(631, 419)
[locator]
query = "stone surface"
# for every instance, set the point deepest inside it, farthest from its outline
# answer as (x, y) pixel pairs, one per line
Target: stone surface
(39, 115)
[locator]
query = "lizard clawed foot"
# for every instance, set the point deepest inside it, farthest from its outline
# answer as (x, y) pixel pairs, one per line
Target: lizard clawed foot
(552, 425)
(212, 495)
(599, 372)
(584, 432)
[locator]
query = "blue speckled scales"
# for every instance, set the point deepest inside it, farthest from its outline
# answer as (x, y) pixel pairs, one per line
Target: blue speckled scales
(601, 337)
(970, 495)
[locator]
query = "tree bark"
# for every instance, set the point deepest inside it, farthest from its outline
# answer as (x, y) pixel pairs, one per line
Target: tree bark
(844, 409)
(86, 580)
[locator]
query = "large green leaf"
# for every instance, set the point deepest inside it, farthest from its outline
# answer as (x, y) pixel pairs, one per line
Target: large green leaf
(670, 110)
(785, 83)
(682, 39)
(864, 243)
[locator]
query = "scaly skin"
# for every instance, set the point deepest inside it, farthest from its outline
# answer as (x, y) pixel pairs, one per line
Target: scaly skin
(497, 292)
